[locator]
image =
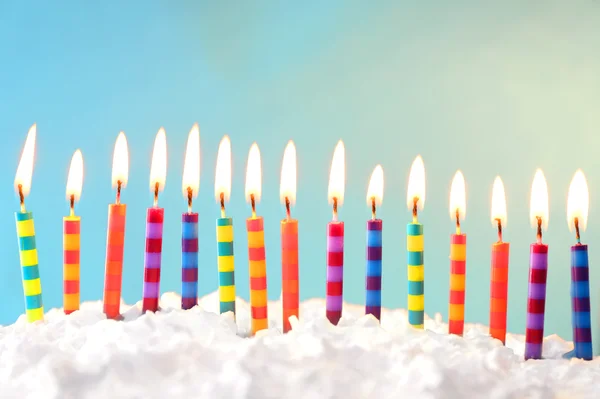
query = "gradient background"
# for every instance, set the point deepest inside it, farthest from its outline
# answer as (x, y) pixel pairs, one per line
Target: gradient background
(488, 87)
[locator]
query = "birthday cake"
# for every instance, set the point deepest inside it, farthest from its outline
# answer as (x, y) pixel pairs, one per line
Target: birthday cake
(199, 353)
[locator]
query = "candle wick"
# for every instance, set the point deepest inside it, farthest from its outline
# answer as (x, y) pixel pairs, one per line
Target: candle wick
(119, 184)
(190, 193)
(156, 187)
(457, 221)
(253, 204)
(222, 199)
(72, 203)
(539, 229)
(287, 208)
(373, 209)
(414, 212)
(21, 198)
(335, 210)
(499, 221)
(577, 236)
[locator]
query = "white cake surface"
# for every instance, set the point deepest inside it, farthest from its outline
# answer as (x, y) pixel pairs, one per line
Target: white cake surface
(200, 354)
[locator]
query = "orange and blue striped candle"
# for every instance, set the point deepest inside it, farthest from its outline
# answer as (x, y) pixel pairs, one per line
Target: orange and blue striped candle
(189, 260)
(71, 265)
(416, 275)
(458, 262)
(373, 283)
(115, 245)
(225, 263)
(258, 273)
(32, 285)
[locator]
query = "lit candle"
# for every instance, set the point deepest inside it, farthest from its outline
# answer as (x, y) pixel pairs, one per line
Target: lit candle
(335, 238)
(499, 268)
(154, 226)
(256, 245)
(538, 269)
(374, 245)
(577, 213)
(415, 199)
(458, 257)
(115, 241)
(289, 239)
(32, 285)
(71, 237)
(189, 222)
(225, 229)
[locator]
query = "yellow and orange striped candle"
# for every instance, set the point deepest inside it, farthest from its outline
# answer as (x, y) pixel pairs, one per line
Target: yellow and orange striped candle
(458, 257)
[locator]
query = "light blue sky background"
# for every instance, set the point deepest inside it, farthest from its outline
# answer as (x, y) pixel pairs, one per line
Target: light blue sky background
(487, 87)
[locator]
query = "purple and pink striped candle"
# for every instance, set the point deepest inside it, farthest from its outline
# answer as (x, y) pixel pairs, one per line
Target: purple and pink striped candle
(335, 271)
(536, 301)
(152, 258)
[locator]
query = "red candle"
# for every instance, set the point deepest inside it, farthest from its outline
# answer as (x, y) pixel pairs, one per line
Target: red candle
(499, 269)
(290, 286)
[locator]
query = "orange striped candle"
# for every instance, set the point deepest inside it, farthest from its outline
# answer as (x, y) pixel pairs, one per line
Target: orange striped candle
(71, 242)
(458, 257)
(499, 269)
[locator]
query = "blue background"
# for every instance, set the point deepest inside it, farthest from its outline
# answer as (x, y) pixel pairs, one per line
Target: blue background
(488, 87)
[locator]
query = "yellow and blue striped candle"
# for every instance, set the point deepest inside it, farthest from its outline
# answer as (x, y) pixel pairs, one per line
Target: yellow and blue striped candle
(32, 285)
(226, 264)
(416, 274)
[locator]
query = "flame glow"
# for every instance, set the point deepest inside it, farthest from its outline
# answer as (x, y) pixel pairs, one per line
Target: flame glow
(375, 189)
(223, 171)
(191, 165)
(498, 203)
(75, 177)
(538, 204)
(25, 168)
(337, 174)
(287, 186)
(578, 202)
(120, 168)
(458, 201)
(253, 174)
(158, 167)
(416, 184)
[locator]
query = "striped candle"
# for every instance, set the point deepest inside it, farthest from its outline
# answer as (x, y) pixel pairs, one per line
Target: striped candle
(189, 260)
(373, 275)
(416, 275)
(289, 271)
(499, 290)
(114, 260)
(258, 274)
(458, 262)
(580, 302)
(536, 301)
(152, 259)
(32, 285)
(71, 246)
(226, 264)
(335, 271)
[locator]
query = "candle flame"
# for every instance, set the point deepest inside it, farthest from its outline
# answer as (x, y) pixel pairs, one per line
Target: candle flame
(458, 201)
(287, 186)
(253, 174)
(120, 168)
(498, 203)
(158, 167)
(223, 172)
(337, 174)
(75, 177)
(416, 184)
(25, 168)
(538, 204)
(375, 190)
(191, 165)
(578, 201)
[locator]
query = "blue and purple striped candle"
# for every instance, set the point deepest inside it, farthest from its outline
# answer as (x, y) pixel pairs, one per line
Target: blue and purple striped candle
(373, 283)
(335, 271)
(580, 302)
(152, 258)
(189, 260)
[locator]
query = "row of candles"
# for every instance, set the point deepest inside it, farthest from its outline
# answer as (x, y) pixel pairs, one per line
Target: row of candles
(578, 204)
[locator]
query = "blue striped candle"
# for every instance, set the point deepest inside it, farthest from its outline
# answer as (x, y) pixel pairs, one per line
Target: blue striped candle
(580, 302)
(373, 283)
